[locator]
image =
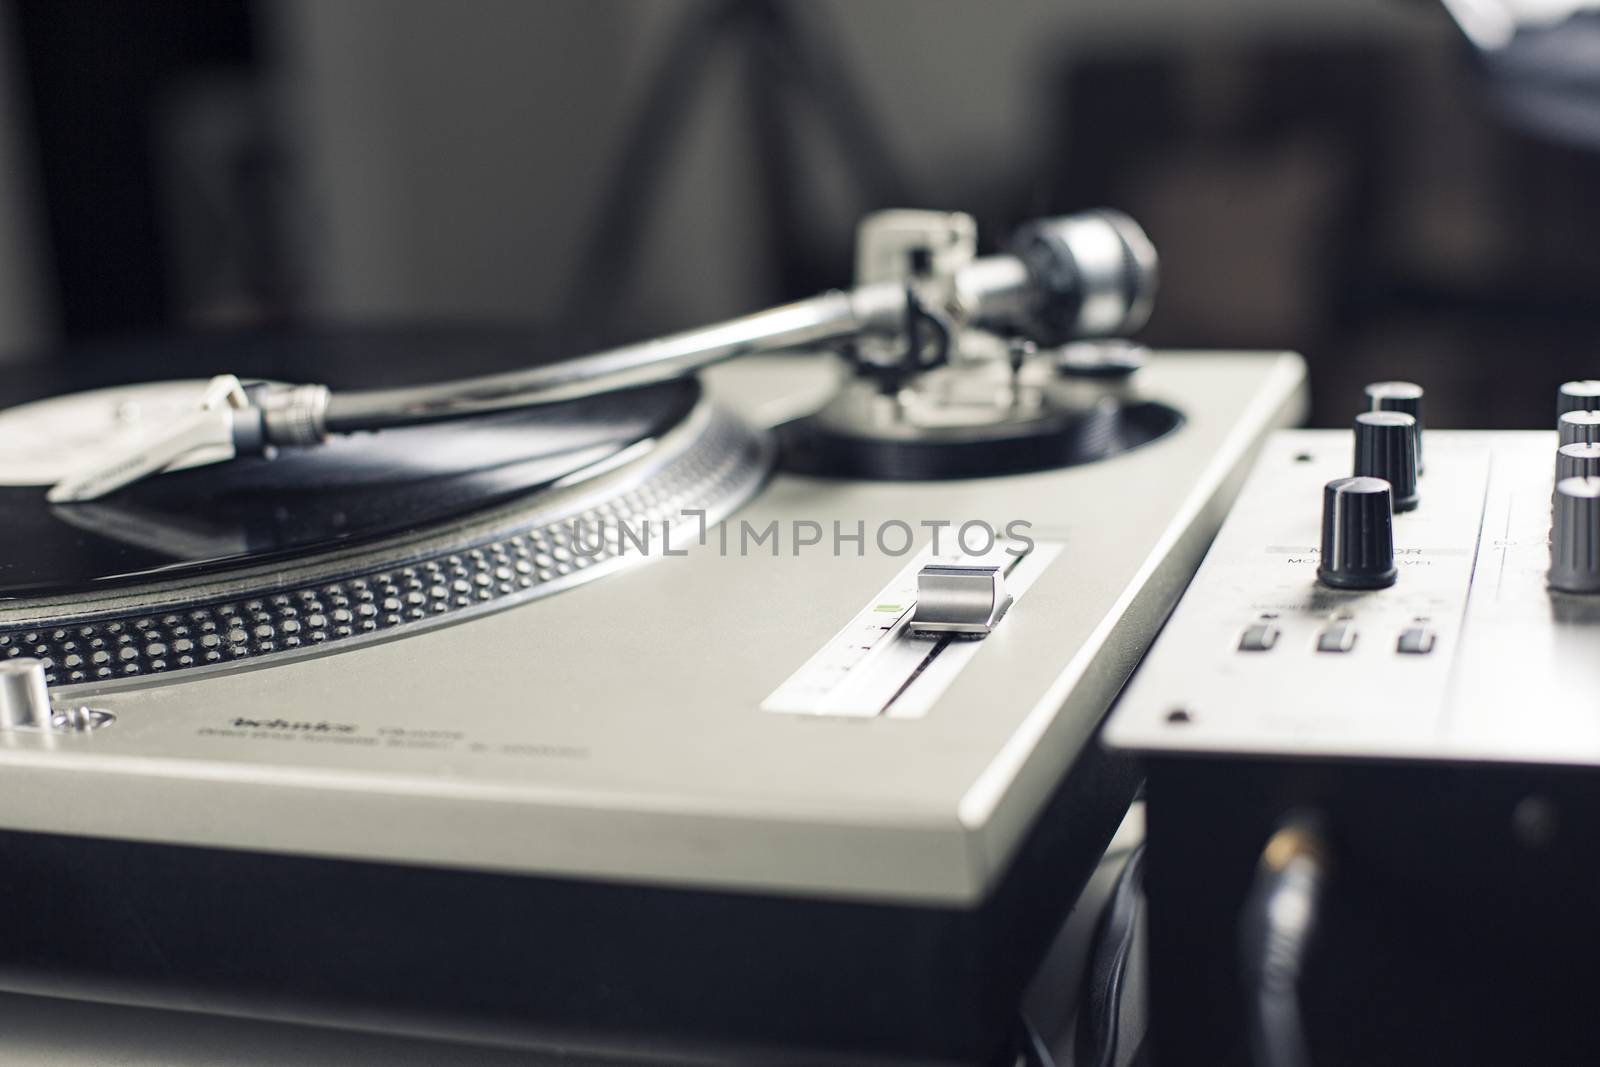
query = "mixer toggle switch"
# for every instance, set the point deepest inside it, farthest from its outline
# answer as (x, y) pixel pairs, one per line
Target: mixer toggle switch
(1416, 640)
(1339, 636)
(1259, 637)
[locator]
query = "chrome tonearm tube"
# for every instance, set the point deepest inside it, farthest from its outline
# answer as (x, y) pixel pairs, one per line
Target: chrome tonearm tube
(919, 283)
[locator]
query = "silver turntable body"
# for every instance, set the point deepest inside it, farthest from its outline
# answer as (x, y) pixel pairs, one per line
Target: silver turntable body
(771, 728)
(619, 732)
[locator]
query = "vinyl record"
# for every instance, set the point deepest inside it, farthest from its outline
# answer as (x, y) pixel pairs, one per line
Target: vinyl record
(358, 488)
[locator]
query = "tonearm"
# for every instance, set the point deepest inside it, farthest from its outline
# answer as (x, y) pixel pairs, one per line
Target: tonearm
(924, 303)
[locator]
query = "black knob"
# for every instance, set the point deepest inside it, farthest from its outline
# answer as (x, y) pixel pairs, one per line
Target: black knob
(1577, 396)
(1579, 426)
(1386, 447)
(1581, 459)
(1357, 534)
(1404, 397)
(1575, 536)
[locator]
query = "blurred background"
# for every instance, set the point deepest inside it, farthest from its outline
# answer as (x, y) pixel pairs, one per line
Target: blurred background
(1322, 175)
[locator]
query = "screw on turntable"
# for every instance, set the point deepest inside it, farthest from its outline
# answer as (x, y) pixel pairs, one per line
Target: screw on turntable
(171, 525)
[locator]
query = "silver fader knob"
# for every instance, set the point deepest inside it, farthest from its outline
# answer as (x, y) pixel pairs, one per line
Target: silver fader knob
(1578, 396)
(24, 696)
(1357, 534)
(1575, 536)
(964, 599)
(1386, 447)
(1578, 460)
(1579, 426)
(1404, 397)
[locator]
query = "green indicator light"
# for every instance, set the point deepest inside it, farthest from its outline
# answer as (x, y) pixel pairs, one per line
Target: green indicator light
(887, 607)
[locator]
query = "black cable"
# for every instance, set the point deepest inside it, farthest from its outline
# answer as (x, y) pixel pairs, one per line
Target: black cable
(1096, 1041)
(1275, 931)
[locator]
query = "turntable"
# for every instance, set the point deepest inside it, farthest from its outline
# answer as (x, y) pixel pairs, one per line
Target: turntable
(708, 694)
